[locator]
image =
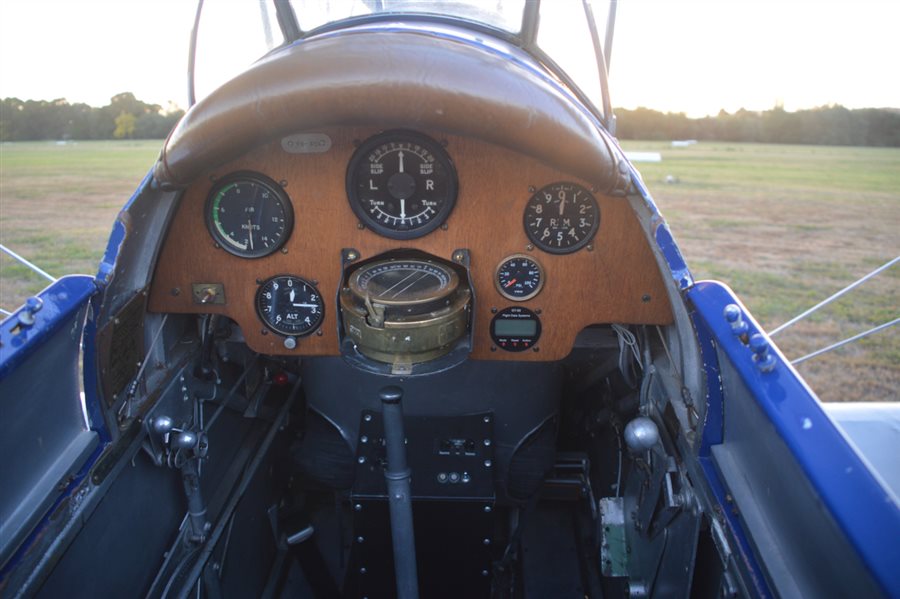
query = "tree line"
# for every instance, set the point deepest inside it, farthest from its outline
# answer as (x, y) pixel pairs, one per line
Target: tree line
(827, 125)
(125, 117)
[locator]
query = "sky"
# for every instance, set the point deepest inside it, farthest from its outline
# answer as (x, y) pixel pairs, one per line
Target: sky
(692, 56)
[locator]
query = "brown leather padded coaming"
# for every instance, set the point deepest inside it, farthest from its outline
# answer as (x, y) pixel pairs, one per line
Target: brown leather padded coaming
(407, 78)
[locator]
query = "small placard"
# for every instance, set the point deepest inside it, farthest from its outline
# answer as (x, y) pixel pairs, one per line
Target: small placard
(306, 143)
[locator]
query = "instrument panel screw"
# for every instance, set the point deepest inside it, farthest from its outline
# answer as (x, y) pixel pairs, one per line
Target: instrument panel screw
(362, 570)
(529, 247)
(362, 459)
(645, 298)
(283, 182)
(364, 439)
(263, 332)
(532, 189)
(284, 250)
(488, 463)
(351, 255)
(175, 291)
(590, 247)
(358, 507)
(367, 418)
(444, 227)
(535, 349)
(493, 310)
(493, 348)
(487, 418)
(360, 226)
(538, 311)
(319, 333)
(487, 509)
(360, 539)
(484, 572)
(487, 442)
(486, 541)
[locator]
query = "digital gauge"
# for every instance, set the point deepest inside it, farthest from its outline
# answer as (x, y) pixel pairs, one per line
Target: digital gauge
(562, 218)
(519, 278)
(249, 215)
(401, 184)
(515, 329)
(290, 305)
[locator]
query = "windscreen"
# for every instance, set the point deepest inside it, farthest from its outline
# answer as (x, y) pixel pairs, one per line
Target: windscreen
(563, 31)
(499, 14)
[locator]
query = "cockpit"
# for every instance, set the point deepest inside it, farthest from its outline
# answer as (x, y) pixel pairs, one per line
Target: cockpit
(392, 315)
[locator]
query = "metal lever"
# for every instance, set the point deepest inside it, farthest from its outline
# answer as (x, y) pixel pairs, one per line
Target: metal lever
(397, 477)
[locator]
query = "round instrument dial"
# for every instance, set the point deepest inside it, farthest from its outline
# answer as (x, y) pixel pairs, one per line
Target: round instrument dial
(290, 305)
(562, 218)
(519, 278)
(401, 184)
(404, 282)
(249, 215)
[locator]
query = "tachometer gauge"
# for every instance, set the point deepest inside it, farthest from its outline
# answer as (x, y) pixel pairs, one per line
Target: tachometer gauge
(401, 184)
(290, 305)
(562, 218)
(519, 278)
(249, 215)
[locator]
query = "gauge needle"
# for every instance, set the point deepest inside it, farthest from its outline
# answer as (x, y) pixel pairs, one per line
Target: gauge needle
(292, 296)
(562, 205)
(511, 283)
(304, 305)
(402, 202)
(250, 231)
(400, 156)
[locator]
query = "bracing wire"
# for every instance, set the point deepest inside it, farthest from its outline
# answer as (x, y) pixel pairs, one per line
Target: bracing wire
(835, 296)
(871, 331)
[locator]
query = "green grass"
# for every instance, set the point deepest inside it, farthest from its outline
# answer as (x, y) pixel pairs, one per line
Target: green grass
(784, 226)
(58, 204)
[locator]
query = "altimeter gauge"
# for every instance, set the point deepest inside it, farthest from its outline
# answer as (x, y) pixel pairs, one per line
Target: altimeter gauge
(562, 218)
(401, 184)
(249, 215)
(290, 305)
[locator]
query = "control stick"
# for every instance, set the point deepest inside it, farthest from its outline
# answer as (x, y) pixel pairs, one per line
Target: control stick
(397, 477)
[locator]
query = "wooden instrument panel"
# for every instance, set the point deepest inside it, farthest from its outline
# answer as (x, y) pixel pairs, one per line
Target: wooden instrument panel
(614, 280)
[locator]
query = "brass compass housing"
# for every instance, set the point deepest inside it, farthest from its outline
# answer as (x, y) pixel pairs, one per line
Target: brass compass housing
(405, 310)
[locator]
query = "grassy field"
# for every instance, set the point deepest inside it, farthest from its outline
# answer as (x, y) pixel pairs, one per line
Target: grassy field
(58, 203)
(784, 226)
